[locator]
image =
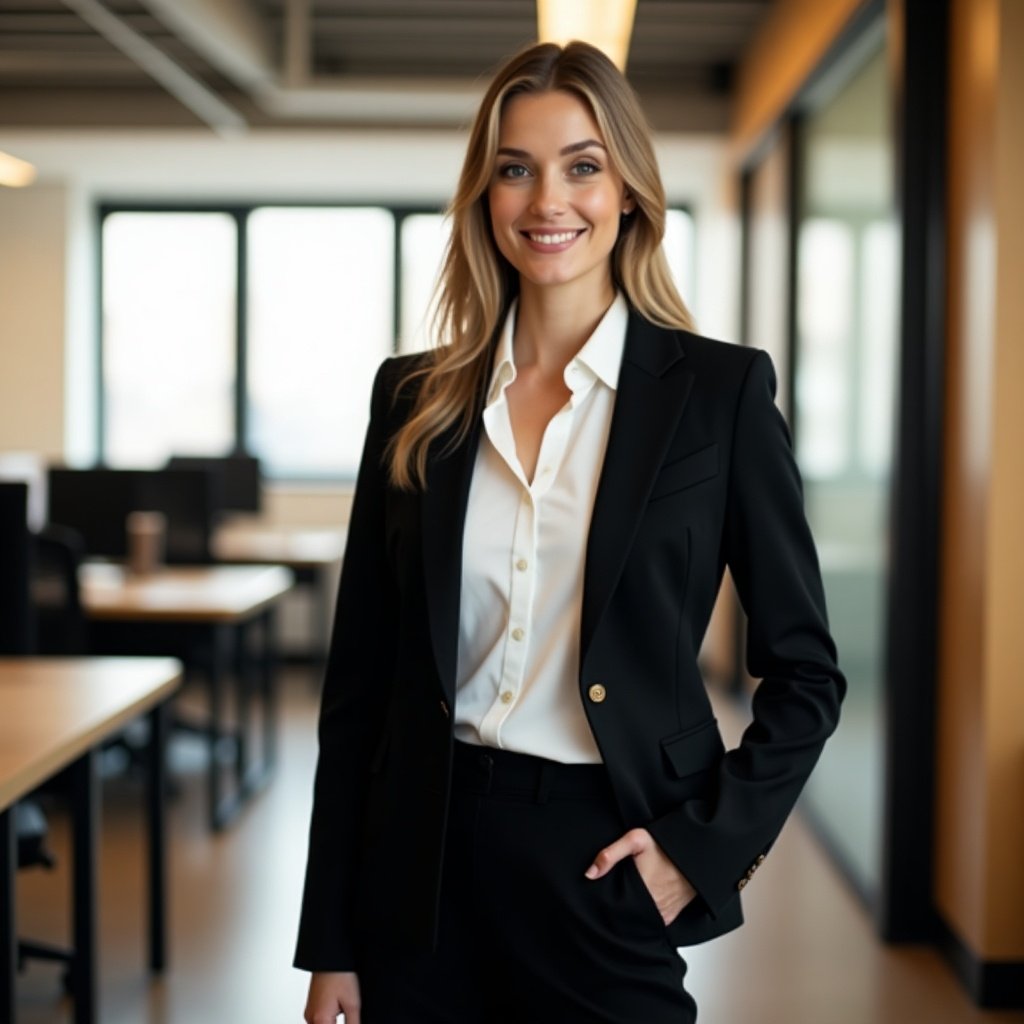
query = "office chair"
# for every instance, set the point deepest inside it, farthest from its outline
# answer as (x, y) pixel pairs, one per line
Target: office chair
(60, 623)
(32, 830)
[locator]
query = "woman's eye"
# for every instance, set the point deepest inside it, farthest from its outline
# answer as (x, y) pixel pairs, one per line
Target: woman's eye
(512, 171)
(585, 167)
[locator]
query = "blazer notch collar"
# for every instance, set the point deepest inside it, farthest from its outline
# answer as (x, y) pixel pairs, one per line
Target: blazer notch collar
(653, 349)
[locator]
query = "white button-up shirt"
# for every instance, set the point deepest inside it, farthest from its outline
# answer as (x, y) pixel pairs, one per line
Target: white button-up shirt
(523, 554)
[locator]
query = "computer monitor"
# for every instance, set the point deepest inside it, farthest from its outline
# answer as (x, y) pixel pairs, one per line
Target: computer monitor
(96, 502)
(242, 486)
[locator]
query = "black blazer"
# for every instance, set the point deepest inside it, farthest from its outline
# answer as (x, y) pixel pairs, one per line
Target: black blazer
(698, 474)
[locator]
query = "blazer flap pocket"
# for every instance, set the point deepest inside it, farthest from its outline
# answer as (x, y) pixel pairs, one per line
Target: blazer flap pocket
(691, 469)
(694, 750)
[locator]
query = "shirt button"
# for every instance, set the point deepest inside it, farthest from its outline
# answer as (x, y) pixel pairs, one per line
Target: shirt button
(597, 693)
(506, 697)
(522, 564)
(517, 634)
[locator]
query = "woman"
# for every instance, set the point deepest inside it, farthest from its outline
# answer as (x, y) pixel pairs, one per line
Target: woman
(523, 804)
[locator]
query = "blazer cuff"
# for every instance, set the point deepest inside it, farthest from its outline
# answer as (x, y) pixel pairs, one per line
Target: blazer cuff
(714, 865)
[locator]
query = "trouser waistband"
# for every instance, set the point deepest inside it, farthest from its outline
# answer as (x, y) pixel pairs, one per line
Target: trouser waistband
(487, 770)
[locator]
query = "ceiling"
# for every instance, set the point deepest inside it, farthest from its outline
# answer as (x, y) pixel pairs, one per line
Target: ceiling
(244, 64)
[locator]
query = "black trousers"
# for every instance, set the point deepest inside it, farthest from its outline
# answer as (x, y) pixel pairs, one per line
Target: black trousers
(524, 936)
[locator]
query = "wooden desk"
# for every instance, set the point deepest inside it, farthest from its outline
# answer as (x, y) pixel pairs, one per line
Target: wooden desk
(56, 712)
(216, 606)
(295, 547)
(201, 593)
(313, 554)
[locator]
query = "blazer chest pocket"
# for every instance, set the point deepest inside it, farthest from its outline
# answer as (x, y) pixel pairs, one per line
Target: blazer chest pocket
(682, 473)
(694, 750)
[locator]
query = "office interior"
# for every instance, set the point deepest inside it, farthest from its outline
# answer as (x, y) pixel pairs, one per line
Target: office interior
(845, 179)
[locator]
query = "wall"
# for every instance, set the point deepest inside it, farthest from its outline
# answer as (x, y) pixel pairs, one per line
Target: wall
(980, 798)
(33, 279)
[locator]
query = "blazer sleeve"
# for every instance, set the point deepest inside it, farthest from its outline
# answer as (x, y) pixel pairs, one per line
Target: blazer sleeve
(359, 668)
(718, 842)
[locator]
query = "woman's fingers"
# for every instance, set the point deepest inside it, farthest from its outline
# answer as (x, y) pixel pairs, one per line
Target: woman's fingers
(635, 841)
(332, 993)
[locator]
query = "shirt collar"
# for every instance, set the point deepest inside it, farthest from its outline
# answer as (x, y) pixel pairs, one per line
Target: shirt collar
(601, 354)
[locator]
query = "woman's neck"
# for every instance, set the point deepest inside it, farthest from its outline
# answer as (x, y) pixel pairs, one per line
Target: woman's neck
(552, 326)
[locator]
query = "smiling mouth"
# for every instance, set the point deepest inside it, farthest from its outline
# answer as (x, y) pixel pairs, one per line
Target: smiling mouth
(553, 237)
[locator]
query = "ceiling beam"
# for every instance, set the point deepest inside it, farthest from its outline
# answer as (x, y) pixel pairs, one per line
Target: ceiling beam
(181, 84)
(236, 42)
(297, 42)
(226, 33)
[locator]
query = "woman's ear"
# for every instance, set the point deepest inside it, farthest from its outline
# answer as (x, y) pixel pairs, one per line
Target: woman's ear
(628, 203)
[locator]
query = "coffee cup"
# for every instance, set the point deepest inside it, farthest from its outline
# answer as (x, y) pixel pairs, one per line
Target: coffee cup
(146, 535)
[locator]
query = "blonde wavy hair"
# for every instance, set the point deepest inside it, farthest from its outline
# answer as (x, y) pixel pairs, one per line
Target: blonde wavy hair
(477, 284)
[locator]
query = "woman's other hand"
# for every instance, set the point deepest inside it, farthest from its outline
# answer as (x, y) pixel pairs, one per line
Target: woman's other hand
(666, 883)
(331, 993)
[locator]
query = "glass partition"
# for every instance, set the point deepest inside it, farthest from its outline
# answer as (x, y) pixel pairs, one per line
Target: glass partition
(845, 359)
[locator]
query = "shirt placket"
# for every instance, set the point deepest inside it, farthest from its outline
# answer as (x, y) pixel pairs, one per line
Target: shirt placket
(524, 569)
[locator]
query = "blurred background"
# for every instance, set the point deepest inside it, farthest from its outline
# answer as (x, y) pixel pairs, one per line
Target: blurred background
(218, 216)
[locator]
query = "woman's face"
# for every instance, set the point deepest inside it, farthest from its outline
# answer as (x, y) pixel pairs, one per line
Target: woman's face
(555, 199)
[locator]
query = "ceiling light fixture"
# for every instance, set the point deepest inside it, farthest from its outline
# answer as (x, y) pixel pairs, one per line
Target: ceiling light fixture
(606, 24)
(14, 172)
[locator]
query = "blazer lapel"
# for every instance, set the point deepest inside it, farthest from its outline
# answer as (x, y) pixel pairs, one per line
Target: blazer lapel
(654, 385)
(444, 514)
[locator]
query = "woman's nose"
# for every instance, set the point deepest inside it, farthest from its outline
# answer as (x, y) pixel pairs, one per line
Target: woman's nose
(548, 199)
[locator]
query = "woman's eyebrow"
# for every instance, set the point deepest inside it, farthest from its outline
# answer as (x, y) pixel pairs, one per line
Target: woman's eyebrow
(576, 147)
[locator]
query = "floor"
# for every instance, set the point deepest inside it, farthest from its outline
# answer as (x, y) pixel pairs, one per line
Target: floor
(806, 955)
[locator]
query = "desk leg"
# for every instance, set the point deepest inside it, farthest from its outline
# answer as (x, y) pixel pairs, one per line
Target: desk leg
(261, 673)
(84, 821)
(215, 731)
(8, 932)
(156, 814)
(269, 669)
(244, 687)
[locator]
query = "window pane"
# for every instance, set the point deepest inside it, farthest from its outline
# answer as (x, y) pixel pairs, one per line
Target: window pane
(826, 288)
(168, 335)
(424, 237)
(678, 245)
(320, 323)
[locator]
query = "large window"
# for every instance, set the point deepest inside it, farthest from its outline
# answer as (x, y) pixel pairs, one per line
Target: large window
(260, 328)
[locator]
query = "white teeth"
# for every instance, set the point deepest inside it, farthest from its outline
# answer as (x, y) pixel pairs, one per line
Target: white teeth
(563, 236)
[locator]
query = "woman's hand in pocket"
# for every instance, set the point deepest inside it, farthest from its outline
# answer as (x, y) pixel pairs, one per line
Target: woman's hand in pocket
(668, 886)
